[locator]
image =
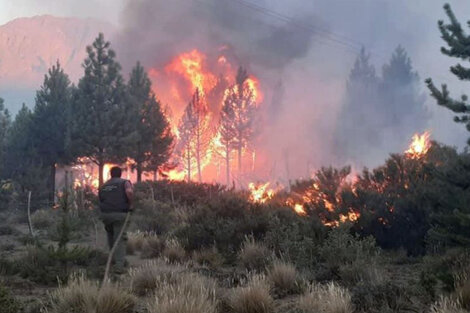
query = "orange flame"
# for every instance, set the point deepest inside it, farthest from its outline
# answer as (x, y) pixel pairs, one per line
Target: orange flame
(190, 65)
(419, 146)
(259, 193)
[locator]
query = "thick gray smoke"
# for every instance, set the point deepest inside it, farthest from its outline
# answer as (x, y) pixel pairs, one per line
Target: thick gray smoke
(302, 52)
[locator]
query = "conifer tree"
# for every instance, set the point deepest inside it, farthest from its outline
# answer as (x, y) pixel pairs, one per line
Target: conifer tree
(240, 106)
(50, 121)
(403, 103)
(361, 102)
(5, 122)
(153, 141)
(457, 41)
(101, 111)
(186, 139)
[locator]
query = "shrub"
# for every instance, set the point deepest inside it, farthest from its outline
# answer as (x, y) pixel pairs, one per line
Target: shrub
(379, 298)
(253, 255)
(342, 248)
(366, 271)
(173, 251)
(188, 293)
(152, 246)
(463, 294)
(284, 279)
(253, 298)
(208, 257)
(82, 295)
(44, 218)
(7, 230)
(446, 305)
(329, 298)
(146, 278)
(7, 303)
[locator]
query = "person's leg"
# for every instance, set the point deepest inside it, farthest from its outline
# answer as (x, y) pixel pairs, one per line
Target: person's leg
(109, 227)
(120, 252)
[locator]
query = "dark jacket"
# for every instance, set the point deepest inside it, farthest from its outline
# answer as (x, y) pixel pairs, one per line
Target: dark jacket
(113, 196)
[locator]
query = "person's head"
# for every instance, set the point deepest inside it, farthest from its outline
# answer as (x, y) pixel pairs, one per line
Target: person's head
(116, 172)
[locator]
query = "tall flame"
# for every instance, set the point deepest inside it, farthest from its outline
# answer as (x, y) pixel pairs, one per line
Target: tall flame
(419, 146)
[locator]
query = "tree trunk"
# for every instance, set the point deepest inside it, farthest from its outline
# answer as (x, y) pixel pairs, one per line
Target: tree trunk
(188, 156)
(155, 175)
(139, 172)
(227, 164)
(240, 161)
(52, 183)
(198, 158)
(100, 173)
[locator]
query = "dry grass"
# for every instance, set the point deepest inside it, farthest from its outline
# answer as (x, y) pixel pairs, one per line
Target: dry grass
(146, 278)
(253, 298)
(284, 278)
(447, 305)
(329, 298)
(188, 293)
(43, 218)
(174, 252)
(253, 255)
(208, 257)
(84, 296)
(135, 241)
(152, 246)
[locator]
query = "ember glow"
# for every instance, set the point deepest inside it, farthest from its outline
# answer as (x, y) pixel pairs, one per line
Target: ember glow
(419, 146)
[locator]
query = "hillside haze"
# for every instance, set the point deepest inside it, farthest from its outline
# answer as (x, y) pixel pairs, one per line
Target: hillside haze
(29, 46)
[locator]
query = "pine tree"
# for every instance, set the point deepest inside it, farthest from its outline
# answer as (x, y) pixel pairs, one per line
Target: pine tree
(403, 104)
(5, 122)
(152, 145)
(227, 135)
(194, 132)
(361, 102)
(241, 106)
(50, 121)
(101, 111)
(457, 41)
(22, 163)
(186, 139)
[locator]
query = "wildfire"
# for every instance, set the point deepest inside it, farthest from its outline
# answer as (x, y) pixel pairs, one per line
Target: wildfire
(85, 173)
(260, 193)
(191, 66)
(419, 146)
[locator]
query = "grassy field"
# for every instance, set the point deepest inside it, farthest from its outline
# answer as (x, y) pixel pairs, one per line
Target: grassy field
(205, 249)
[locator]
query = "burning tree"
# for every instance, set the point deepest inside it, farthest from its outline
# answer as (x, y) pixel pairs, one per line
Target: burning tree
(153, 140)
(457, 41)
(194, 131)
(237, 118)
(100, 112)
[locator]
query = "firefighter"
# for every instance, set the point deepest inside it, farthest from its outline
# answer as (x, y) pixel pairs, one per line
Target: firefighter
(115, 198)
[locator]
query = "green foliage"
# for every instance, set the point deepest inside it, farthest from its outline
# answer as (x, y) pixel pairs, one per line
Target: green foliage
(153, 142)
(51, 121)
(8, 304)
(100, 110)
(456, 40)
(5, 122)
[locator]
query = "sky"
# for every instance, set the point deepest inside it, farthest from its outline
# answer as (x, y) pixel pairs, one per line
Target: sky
(107, 10)
(379, 25)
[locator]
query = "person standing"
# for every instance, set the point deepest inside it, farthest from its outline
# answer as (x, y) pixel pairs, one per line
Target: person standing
(115, 198)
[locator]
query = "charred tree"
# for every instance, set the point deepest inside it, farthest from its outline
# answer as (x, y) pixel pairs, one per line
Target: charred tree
(241, 106)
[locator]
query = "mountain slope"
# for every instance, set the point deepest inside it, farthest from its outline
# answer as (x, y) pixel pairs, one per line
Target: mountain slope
(29, 46)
